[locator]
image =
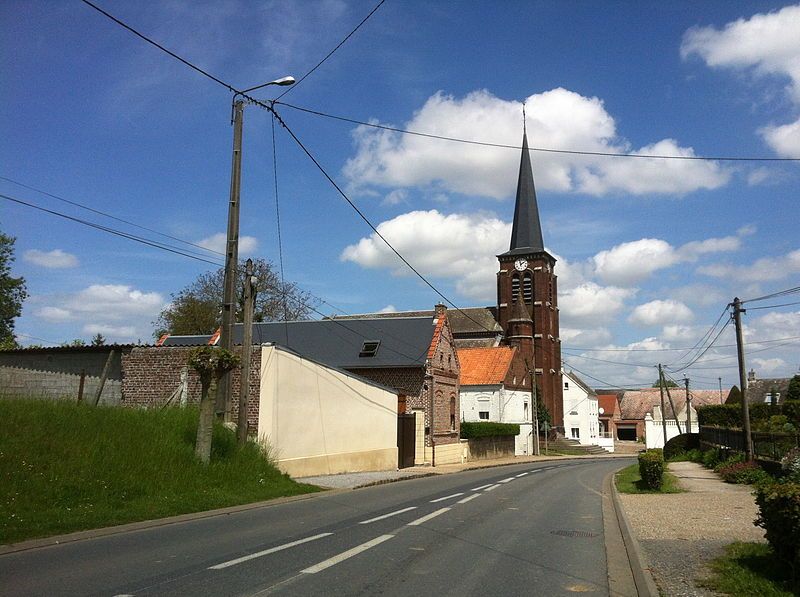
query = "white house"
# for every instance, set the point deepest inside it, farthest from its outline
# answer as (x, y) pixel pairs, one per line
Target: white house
(495, 387)
(581, 415)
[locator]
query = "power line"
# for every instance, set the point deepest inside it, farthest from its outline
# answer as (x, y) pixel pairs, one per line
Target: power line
(794, 290)
(612, 362)
(138, 239)
(605, 383)
(705, 350)
(107, 215)
(539, 149)
(329, 54)
(587, 349)
(705, 336)
(773, 306)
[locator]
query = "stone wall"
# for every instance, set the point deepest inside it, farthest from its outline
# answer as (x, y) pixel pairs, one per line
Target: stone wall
(486, 448)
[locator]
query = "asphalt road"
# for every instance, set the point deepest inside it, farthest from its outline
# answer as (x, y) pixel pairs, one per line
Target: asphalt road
(533, 529)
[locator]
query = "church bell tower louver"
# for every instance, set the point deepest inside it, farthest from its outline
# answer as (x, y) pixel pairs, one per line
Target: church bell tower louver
(527, 279)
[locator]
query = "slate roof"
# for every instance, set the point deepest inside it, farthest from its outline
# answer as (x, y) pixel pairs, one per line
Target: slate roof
(635, 404)
(485, 366)
(404, 342)
(757, 390)
(467, 320)
(526, 233)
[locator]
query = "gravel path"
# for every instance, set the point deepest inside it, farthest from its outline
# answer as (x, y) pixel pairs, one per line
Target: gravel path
(681, 532)
(353, 480)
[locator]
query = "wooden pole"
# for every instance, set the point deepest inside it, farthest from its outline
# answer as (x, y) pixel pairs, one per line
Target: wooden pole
(688, 406)
(247, 347)
(737, 320)
(663, 406)
(672, 406)
(103, 377)
(80, 385)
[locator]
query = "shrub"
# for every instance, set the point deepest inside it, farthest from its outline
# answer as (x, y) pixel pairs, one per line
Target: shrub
(712, 457)
(790, 465)
(681, 443)
(732, 459)
(779, 516)
(743, 473)
(720, 415)
(481, 429)
(791, 408)
(651, 468)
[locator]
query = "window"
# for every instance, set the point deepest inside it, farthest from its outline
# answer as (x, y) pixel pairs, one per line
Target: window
(576, 433)
(452, 413)
(514, 287)
(483, 415)
(527, 288)
(369, 348)
(566, 385)
(525, 411)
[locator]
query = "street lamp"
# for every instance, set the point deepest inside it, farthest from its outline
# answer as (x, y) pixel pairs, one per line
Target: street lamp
(232, 244)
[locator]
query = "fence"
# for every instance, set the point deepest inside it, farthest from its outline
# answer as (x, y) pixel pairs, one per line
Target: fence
(770, 446)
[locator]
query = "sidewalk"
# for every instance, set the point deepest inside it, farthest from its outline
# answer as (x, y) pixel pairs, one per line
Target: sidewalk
(354, 480)
(681, 532)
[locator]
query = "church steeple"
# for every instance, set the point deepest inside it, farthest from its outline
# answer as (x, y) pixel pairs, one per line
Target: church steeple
(526, 234)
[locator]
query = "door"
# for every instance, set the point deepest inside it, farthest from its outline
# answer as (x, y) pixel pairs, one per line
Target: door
(406, 429)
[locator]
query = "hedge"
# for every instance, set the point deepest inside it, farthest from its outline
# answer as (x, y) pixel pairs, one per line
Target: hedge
(779, 515)
(487, 429)
(680, 444)
(730, 415)
(651, 468)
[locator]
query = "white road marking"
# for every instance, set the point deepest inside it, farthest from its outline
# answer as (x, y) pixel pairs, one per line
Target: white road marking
(427, 517)
(538, 470)
(258, 554)
(521, 475)
(506, 480)
(346, 555)
(491, 487)
(468, 498)
(388, 515)
(449, 497)
(481, 487)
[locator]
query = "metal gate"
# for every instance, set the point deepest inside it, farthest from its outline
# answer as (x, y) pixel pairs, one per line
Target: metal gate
(406, 428)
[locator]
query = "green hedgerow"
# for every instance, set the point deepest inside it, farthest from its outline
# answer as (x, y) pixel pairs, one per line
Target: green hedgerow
(651, 468)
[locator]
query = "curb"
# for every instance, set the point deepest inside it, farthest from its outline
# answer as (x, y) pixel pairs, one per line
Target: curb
(642, 578)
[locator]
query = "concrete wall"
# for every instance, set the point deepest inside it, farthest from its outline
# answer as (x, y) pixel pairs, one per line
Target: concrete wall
(485, 448)
(55, 373)
(323, 421)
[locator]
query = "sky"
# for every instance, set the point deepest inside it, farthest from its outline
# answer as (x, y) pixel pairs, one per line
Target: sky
(650, 251)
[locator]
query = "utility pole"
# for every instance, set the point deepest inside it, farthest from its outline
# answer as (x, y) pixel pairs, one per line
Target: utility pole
(247, 347)
(534, 410)
(223, 405)
(663, 406)
(720, 389)
(688, 406)
(737, 320)
(672, 406)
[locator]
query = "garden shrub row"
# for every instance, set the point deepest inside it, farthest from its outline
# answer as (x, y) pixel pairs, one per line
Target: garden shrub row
(651, 468)
(480, 429)
(762, 416)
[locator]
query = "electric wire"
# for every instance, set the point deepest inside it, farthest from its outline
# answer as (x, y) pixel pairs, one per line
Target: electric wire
(794, 290)
(278, 226)
(705, 350)
(773, 306)
(698, 345)
(587, 349)
(138, 239)
(605, 383)
(107, 215)
(329, 54)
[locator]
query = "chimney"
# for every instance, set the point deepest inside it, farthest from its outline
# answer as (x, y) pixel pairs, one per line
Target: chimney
(751, 375)
(439, 310)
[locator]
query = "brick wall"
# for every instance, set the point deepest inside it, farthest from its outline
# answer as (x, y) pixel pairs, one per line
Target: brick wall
(151, 374)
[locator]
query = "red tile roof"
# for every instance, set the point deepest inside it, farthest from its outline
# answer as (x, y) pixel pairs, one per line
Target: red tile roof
(635, 404)
(437, 334)
(608, 402)
(484, 366)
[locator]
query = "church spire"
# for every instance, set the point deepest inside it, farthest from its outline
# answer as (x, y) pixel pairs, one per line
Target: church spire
(527, 231)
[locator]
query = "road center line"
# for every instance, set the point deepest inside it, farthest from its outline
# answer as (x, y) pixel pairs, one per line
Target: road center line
(521, 475)
(388, 515)
(491, 487)
(265, 552)
(468, 498)
(449, 497)
(346, 555)
(427, 517)
(481, 487)
(506, 480)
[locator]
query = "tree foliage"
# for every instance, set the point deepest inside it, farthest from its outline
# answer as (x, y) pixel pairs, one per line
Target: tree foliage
(197, 308)
(668, 383)
(12, 294)
(793, 392)
(98, 339)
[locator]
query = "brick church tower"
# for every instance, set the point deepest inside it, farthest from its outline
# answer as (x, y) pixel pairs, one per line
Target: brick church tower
(526, 286)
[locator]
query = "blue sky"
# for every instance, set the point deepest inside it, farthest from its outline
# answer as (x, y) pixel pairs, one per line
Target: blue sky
(650, 251)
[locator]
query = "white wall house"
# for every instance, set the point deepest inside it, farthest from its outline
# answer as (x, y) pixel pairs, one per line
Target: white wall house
(485, 395)
(654, 429)
(581, 415)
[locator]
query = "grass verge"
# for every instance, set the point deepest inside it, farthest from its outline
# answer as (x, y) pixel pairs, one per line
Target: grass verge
(67, 467)
(629, 481)
(749, 569)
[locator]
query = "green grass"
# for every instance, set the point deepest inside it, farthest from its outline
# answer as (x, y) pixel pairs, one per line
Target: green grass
(66, 467)
(749, 569)
(629, 481)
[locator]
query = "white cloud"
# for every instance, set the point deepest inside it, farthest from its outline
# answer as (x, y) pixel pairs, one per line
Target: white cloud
(591, 303)
(114, 302)
(395, 197)
(679, 333)
(558, 118)
(762, 270)
(217, 242)
(55, 259)
(459, 246)
(767, 366)
(110, 331)
(660, 312)
(698, 294)
(767, 45)
(388, 309)
(585, 337)
(54, 314)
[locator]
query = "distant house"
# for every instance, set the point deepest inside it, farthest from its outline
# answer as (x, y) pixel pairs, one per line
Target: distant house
(415, 357)
(768, 391)
(609, 414)
(581, 421)
(495, 386)
(635, 405)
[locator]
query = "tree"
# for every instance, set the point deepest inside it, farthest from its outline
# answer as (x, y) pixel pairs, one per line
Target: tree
(75, 342)
(197, 308)
(98, 340)
(542, 414)
(209, 362)
(734, 396)
(793, 392)
(668, 383)
(13, 293)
